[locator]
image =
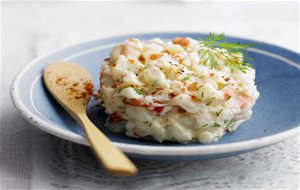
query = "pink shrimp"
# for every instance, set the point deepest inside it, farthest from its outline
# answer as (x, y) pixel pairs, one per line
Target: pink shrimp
(228, 92)
(243, 100)
(184, 42)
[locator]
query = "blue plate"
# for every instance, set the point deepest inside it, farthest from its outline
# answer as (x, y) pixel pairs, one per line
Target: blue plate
(276, 115)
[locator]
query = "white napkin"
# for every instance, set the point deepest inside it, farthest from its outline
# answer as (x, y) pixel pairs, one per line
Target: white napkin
(60, 164)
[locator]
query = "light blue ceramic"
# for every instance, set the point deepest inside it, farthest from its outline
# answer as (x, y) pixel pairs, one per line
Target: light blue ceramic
(276, 115)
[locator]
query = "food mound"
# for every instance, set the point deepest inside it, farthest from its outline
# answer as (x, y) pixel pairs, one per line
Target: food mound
(182, 90)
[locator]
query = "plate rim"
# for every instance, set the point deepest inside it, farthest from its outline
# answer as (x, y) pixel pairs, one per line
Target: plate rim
(143, 149)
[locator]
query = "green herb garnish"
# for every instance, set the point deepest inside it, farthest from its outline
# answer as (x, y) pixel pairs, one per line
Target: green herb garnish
(216, 125)
(185, 78)
(138, 91)
(204, 125)
(231, 53)
(211, 100)
(221, 85)
(219, 112)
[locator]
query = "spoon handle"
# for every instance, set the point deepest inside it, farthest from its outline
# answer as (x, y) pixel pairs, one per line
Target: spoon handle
(111, 158)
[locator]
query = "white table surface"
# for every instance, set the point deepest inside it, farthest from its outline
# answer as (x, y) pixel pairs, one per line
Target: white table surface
(32, 159)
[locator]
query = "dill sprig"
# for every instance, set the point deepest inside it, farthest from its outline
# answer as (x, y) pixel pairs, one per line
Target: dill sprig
(215, 46)
(138, 91)
(216, 125)
(185, 78)
(219, 112)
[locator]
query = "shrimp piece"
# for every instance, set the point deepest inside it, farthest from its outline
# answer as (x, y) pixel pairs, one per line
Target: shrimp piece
(154, 56)
(243, 100)
(102, 75)
(131, 48)
(115, 118)
(159, 109)
(184, 42)
(228, 92)
(136, 132)
(134, 102)
(126, 50)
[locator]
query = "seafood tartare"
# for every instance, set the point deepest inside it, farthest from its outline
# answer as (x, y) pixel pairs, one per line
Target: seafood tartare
(181, 90)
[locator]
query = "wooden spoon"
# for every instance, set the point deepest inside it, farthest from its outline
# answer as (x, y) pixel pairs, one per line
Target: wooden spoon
(71, 85)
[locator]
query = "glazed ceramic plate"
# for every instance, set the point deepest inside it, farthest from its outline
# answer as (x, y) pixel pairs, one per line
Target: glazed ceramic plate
(276, 115)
